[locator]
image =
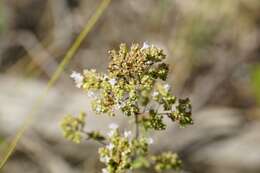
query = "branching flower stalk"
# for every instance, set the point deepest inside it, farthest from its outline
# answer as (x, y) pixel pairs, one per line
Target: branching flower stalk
(135, 85)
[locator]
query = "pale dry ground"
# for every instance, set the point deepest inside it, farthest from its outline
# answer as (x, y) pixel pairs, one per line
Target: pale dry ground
(221, 140)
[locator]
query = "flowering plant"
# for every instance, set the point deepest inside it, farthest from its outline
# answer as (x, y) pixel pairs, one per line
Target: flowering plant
(135, 86)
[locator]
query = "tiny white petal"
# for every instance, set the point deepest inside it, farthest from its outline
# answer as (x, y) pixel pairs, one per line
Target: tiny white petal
(78, 78)
(98, 109)
(112, 81)
(145, 45)
(104, 159)
(113, 126)
(127, 134)
(104, 170)
(119, 105)
(111, 133)
(91, 94)
(155, 94)
(167, 87)
(149, 62)
(110, 146)
(150, 141)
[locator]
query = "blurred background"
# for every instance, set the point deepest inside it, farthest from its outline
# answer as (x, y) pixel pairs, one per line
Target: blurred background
(213, 48)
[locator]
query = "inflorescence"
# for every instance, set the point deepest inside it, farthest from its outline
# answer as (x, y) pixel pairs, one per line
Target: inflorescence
(135, 86)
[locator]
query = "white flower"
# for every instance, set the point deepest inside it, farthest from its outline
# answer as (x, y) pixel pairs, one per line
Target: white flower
(150, 141)
(113, 126)
(104, 159)
(78, 78)
(155, 94)
(119, 105)
(127, 134)
(145, 45)
(110, 146)
(149, 62)
(98, 109)
(112, 81)
(167, 87)
(91, 94)
(104, 170)
(111, 133)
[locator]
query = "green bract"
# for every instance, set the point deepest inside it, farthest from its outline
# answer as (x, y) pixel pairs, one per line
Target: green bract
(135, 86)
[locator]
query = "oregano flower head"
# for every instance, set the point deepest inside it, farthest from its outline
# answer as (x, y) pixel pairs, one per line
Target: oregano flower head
(134, 86)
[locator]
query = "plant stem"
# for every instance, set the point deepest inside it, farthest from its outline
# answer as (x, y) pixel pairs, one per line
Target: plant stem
(88, 138)
(101, 142)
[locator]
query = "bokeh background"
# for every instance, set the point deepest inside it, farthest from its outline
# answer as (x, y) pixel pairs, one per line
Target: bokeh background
(213, 48)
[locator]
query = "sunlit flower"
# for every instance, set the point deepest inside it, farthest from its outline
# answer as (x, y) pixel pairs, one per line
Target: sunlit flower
(104, 170)
(105, 159)
(78, 78)
(112, 81)
(167, 87)
(155, 94)
(150, 141)
(119, 105)
(98, 109)
(145, 45)
(110, 146)
(91, 94)
(127, 134)
(149, 62)
(110, 133)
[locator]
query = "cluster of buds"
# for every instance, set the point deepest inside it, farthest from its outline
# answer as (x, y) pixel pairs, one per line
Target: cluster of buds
(135, 86)
(72, 127)
(123, 151)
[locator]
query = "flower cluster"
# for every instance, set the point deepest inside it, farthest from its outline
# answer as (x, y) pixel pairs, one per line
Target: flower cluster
(135, 86)
(166, 161)
(135, 82)
(123, 151)
(72, 127)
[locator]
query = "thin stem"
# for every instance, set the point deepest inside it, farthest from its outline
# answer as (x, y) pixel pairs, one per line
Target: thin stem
(163, 113)
(98, 141)
(88, 138)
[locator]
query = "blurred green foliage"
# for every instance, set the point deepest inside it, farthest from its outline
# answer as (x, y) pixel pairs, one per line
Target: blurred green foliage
(255, 81)
(1, 17)
(1, 140)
